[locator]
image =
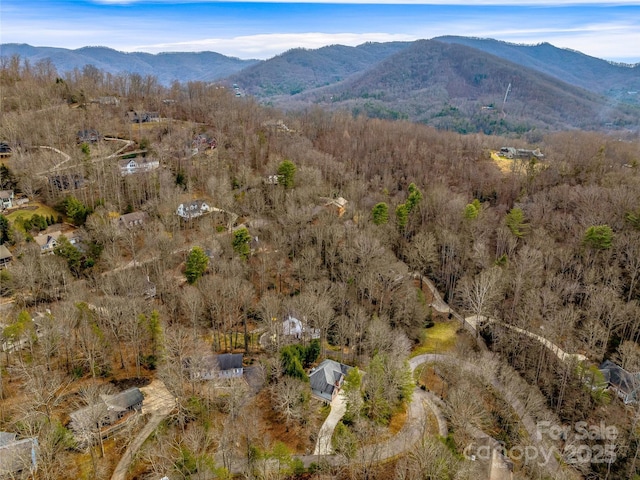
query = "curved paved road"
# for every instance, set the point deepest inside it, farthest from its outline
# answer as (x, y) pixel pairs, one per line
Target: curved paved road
(517, 406)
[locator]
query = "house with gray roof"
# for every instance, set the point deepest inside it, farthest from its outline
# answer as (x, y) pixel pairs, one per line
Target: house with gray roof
(108, 410)
(124, 402)
(132, 220)
(5, 256)
(230, 365)
(17, 456)
(625, 384)
(225, 365)
(327, 379)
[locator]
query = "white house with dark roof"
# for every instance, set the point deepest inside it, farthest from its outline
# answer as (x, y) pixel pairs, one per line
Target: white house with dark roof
(137, 165)
(230, 365)
(327, 379)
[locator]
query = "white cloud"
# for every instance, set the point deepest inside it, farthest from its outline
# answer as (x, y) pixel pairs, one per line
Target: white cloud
(268, 45)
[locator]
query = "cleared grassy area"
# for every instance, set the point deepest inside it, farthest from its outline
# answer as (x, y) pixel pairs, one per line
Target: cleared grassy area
(514, 165)
(28, 212)
(440, 338)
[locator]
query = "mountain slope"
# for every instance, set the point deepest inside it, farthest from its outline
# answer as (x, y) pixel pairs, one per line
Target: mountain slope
(167, 67)
(457, 87)
(590, 73)
(301, 69)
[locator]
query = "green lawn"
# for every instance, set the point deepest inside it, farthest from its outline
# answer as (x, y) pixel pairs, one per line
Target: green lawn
(440, 338)
(25, 214)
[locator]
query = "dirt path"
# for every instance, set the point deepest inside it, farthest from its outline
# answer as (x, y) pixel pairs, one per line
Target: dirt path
(159, 403)
(66, 157)
(555, 349)
(438, 303)
(471, 323)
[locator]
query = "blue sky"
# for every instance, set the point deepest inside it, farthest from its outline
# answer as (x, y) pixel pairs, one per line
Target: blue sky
(262, 29)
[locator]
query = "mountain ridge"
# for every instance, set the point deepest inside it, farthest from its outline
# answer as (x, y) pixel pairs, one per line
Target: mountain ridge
(450, 82)
(457, 87)
(166, 66)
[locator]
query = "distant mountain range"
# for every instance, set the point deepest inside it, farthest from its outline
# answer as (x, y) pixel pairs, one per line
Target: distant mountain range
(455, 83)
(166, 67)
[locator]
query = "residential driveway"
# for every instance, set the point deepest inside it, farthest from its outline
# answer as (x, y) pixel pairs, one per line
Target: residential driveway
(410, 434)
(158, 402)
(157, 399)
(338, 408)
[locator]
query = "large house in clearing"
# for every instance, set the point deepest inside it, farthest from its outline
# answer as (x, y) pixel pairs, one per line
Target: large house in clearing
(327, 379)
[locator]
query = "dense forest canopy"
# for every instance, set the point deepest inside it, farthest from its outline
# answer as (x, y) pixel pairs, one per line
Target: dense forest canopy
(234, 218)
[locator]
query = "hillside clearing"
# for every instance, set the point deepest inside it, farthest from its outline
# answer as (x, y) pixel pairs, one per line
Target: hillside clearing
(440, 338)
(30, 210)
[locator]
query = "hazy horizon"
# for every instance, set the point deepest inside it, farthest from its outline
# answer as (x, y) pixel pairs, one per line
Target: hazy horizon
(261, 30)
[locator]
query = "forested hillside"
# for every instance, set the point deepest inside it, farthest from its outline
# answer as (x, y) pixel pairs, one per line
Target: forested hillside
(459, 88)
(465, 298)
(165, 67)
(617, 81)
